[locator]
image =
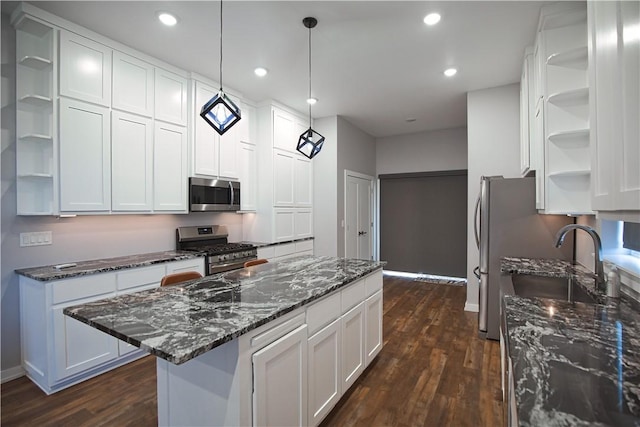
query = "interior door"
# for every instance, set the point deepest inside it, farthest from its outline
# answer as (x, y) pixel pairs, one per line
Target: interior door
(358, 217)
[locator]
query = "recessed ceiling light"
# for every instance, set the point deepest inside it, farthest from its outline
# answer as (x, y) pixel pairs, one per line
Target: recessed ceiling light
(312, 101)
(167, 19)
(432, 19)
(260, 72)
(449, 72)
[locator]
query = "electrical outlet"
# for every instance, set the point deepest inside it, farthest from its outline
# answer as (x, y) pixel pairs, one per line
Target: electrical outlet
(37, 238)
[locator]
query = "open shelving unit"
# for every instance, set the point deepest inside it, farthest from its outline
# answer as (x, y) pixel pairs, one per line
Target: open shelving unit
(35, 145)
(566, 119)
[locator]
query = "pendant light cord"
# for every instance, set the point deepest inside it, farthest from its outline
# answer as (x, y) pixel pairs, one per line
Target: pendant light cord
(221, 45)
(309, 78)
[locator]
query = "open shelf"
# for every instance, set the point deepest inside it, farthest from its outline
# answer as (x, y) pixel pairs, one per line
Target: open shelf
(570, 97)
(35, 62)
(569, 135)
(569, 173)
(572, 58)
(36, 138)
(37, 100)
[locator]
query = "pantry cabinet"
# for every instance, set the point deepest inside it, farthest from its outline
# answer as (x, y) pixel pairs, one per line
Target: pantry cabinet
(85, 69)
(614, 55)
(248, 163)
(59, 351)
(85, 158)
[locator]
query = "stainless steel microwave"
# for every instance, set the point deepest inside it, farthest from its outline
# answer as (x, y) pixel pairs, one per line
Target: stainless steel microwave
(213, 195)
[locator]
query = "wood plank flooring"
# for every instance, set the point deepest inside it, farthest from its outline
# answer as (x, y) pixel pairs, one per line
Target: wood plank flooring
(432, 371)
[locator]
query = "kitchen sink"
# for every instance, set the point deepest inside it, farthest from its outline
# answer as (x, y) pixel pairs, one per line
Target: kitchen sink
(526, 285)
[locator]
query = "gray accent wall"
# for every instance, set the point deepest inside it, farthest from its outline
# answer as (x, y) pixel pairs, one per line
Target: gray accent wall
(74, 239)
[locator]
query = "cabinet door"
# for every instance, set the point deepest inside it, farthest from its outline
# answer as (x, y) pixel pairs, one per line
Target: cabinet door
(284, 136)
(169, 168)
(132, 85)
(78, 346)
(170, 97)
(373, 322)
(525, 150)
(85, 164)
(248, 178)
(302, 181)
(324, 372)
(284, 220)
(283, 178)
(228, 154)
(132, 162)
(206, 139)
(280, 381)
(85, 69)
(352, 324)
(303, 223)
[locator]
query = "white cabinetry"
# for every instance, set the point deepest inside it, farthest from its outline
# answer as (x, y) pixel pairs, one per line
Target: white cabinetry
(286, 250)
(59, 351)
(614, 100)
(170, 168)
(248, 163)
(85, 158)
(85, 69)
(170, 97)
(280, 381)
(557, 99)
(133, 87)
(36, 147)
(285, 198)
(132, 162)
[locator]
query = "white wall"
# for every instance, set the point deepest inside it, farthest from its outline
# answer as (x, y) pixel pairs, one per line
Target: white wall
(493, 128)
(357, 153)
(422, 152)
(325, 183)
(74, 239)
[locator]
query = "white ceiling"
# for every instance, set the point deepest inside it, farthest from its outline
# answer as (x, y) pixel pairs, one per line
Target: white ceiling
(374, 62)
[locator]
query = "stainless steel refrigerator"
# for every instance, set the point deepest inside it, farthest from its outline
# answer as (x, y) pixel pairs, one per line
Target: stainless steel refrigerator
(508, 224)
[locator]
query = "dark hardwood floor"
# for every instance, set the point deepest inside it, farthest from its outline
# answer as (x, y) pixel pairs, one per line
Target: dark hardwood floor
(432, 371)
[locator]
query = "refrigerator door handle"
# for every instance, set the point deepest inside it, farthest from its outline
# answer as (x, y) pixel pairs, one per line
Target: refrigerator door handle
(476, 218)
(476, 272)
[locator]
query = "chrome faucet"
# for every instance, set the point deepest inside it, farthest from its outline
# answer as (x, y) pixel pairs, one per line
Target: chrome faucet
(600, 281)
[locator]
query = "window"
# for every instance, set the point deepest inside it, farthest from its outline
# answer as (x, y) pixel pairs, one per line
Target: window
(631, 236)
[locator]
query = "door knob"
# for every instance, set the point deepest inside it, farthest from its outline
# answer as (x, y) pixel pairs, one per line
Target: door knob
(360, 233)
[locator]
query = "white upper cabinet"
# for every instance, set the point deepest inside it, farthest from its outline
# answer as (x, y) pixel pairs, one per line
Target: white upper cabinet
(206, 139)
(132, 85)
(85, 165)
(132, 162)
(85, 69)
(170, 97)
(248, 163)
(302, 185)
(170, 168)
(614, 100)
(283, 130)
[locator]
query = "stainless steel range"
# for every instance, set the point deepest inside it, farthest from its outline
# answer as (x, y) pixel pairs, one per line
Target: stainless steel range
(212, 240)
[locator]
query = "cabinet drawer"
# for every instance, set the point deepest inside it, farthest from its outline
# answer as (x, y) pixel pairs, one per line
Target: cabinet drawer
(277, 331)
(195, 264)
(353, 295)
(304, 246)
(266, 252)
(287, 249)
(83, 287)
(139, 277)
(373, 283)
(323, 312)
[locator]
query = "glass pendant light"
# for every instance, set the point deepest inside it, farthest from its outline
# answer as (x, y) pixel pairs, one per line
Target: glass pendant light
(310, 142)
(220, 111)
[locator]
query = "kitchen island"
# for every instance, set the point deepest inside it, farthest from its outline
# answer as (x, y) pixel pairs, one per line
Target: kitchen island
(570, 363)
(277, 343)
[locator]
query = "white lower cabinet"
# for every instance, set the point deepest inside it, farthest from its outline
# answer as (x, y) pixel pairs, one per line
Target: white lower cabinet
(373, 322)
(352, 345)
(280, 381)
(59, 351)
(286, 250)
(325, 375)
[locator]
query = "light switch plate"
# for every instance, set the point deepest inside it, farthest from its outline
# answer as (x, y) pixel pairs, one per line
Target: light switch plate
(36, 238)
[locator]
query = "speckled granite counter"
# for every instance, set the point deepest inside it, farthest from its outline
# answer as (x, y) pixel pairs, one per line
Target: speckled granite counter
(84, 268)
(178, 323)
(574, 364)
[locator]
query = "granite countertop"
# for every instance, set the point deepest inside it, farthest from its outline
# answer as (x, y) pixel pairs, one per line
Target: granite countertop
(84, 268)
(264, 245)
(180, 322)
(574, 364)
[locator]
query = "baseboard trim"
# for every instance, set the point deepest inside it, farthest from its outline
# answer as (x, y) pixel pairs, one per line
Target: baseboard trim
(471, 307)
(11, 374)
